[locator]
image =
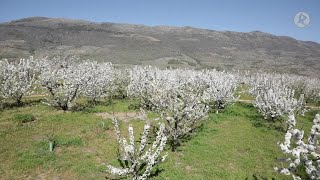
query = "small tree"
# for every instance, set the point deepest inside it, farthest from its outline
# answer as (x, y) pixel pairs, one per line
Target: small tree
(99, 80)
(120, 83)
(64, 83)
(17, 78)
(182, 112)
(278, 101)
(138, 161)
(220, 90)
(300, 153)
(176, 94)
(143, 83)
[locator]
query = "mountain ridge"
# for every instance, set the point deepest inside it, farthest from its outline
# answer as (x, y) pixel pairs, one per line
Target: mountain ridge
(163, 46)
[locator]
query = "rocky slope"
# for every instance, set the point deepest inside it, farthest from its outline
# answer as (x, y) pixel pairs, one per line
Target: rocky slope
(163, 46)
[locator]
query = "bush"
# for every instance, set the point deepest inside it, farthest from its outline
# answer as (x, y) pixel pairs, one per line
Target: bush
(24, 118)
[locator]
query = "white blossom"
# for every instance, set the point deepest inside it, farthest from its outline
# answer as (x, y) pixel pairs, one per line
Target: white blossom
(64, 81)
(17, 78)
(99, 80)
(275, 99)
(137, 157)
(300, 152)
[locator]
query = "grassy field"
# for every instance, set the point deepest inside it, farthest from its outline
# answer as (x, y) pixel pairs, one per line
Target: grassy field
(235, 144)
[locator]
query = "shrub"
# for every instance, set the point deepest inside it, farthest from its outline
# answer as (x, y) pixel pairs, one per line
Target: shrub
(24, 118)
(137, 162)
(301, 154)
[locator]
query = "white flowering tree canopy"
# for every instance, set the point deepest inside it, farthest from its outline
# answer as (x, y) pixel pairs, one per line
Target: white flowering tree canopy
(220, 89)
(120, 82)
(301, 151)
(99, 80)
(149, 84)
(274, 103)
(140, 159)
(183, 97)
(182, 113)
(274, 97)
(17, 78)
(65, 82)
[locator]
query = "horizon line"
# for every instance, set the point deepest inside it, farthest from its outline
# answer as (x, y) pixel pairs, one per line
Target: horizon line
(158, 25)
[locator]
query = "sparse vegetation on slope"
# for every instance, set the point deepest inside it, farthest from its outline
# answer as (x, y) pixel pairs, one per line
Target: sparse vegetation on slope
(129, 44)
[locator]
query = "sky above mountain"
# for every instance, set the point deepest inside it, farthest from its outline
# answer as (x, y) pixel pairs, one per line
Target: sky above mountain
(271, 16)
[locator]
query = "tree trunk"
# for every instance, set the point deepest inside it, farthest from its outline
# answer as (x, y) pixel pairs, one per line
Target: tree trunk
(18, 100)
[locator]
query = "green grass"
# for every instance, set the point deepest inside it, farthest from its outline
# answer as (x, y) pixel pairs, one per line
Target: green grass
(24, 118)
(230, 145)
(242, 92)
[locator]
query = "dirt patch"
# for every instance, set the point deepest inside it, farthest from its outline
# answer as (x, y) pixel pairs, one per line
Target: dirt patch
(89, 150)
(38, 137)
(123, 116)
(42, 174)
(63, 112)
(188, 168)
(7, 125)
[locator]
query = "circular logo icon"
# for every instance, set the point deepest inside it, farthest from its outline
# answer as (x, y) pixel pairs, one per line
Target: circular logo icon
(302, 19)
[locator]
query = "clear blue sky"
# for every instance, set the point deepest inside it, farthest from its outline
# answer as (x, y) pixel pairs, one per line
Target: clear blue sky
(272, 16)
